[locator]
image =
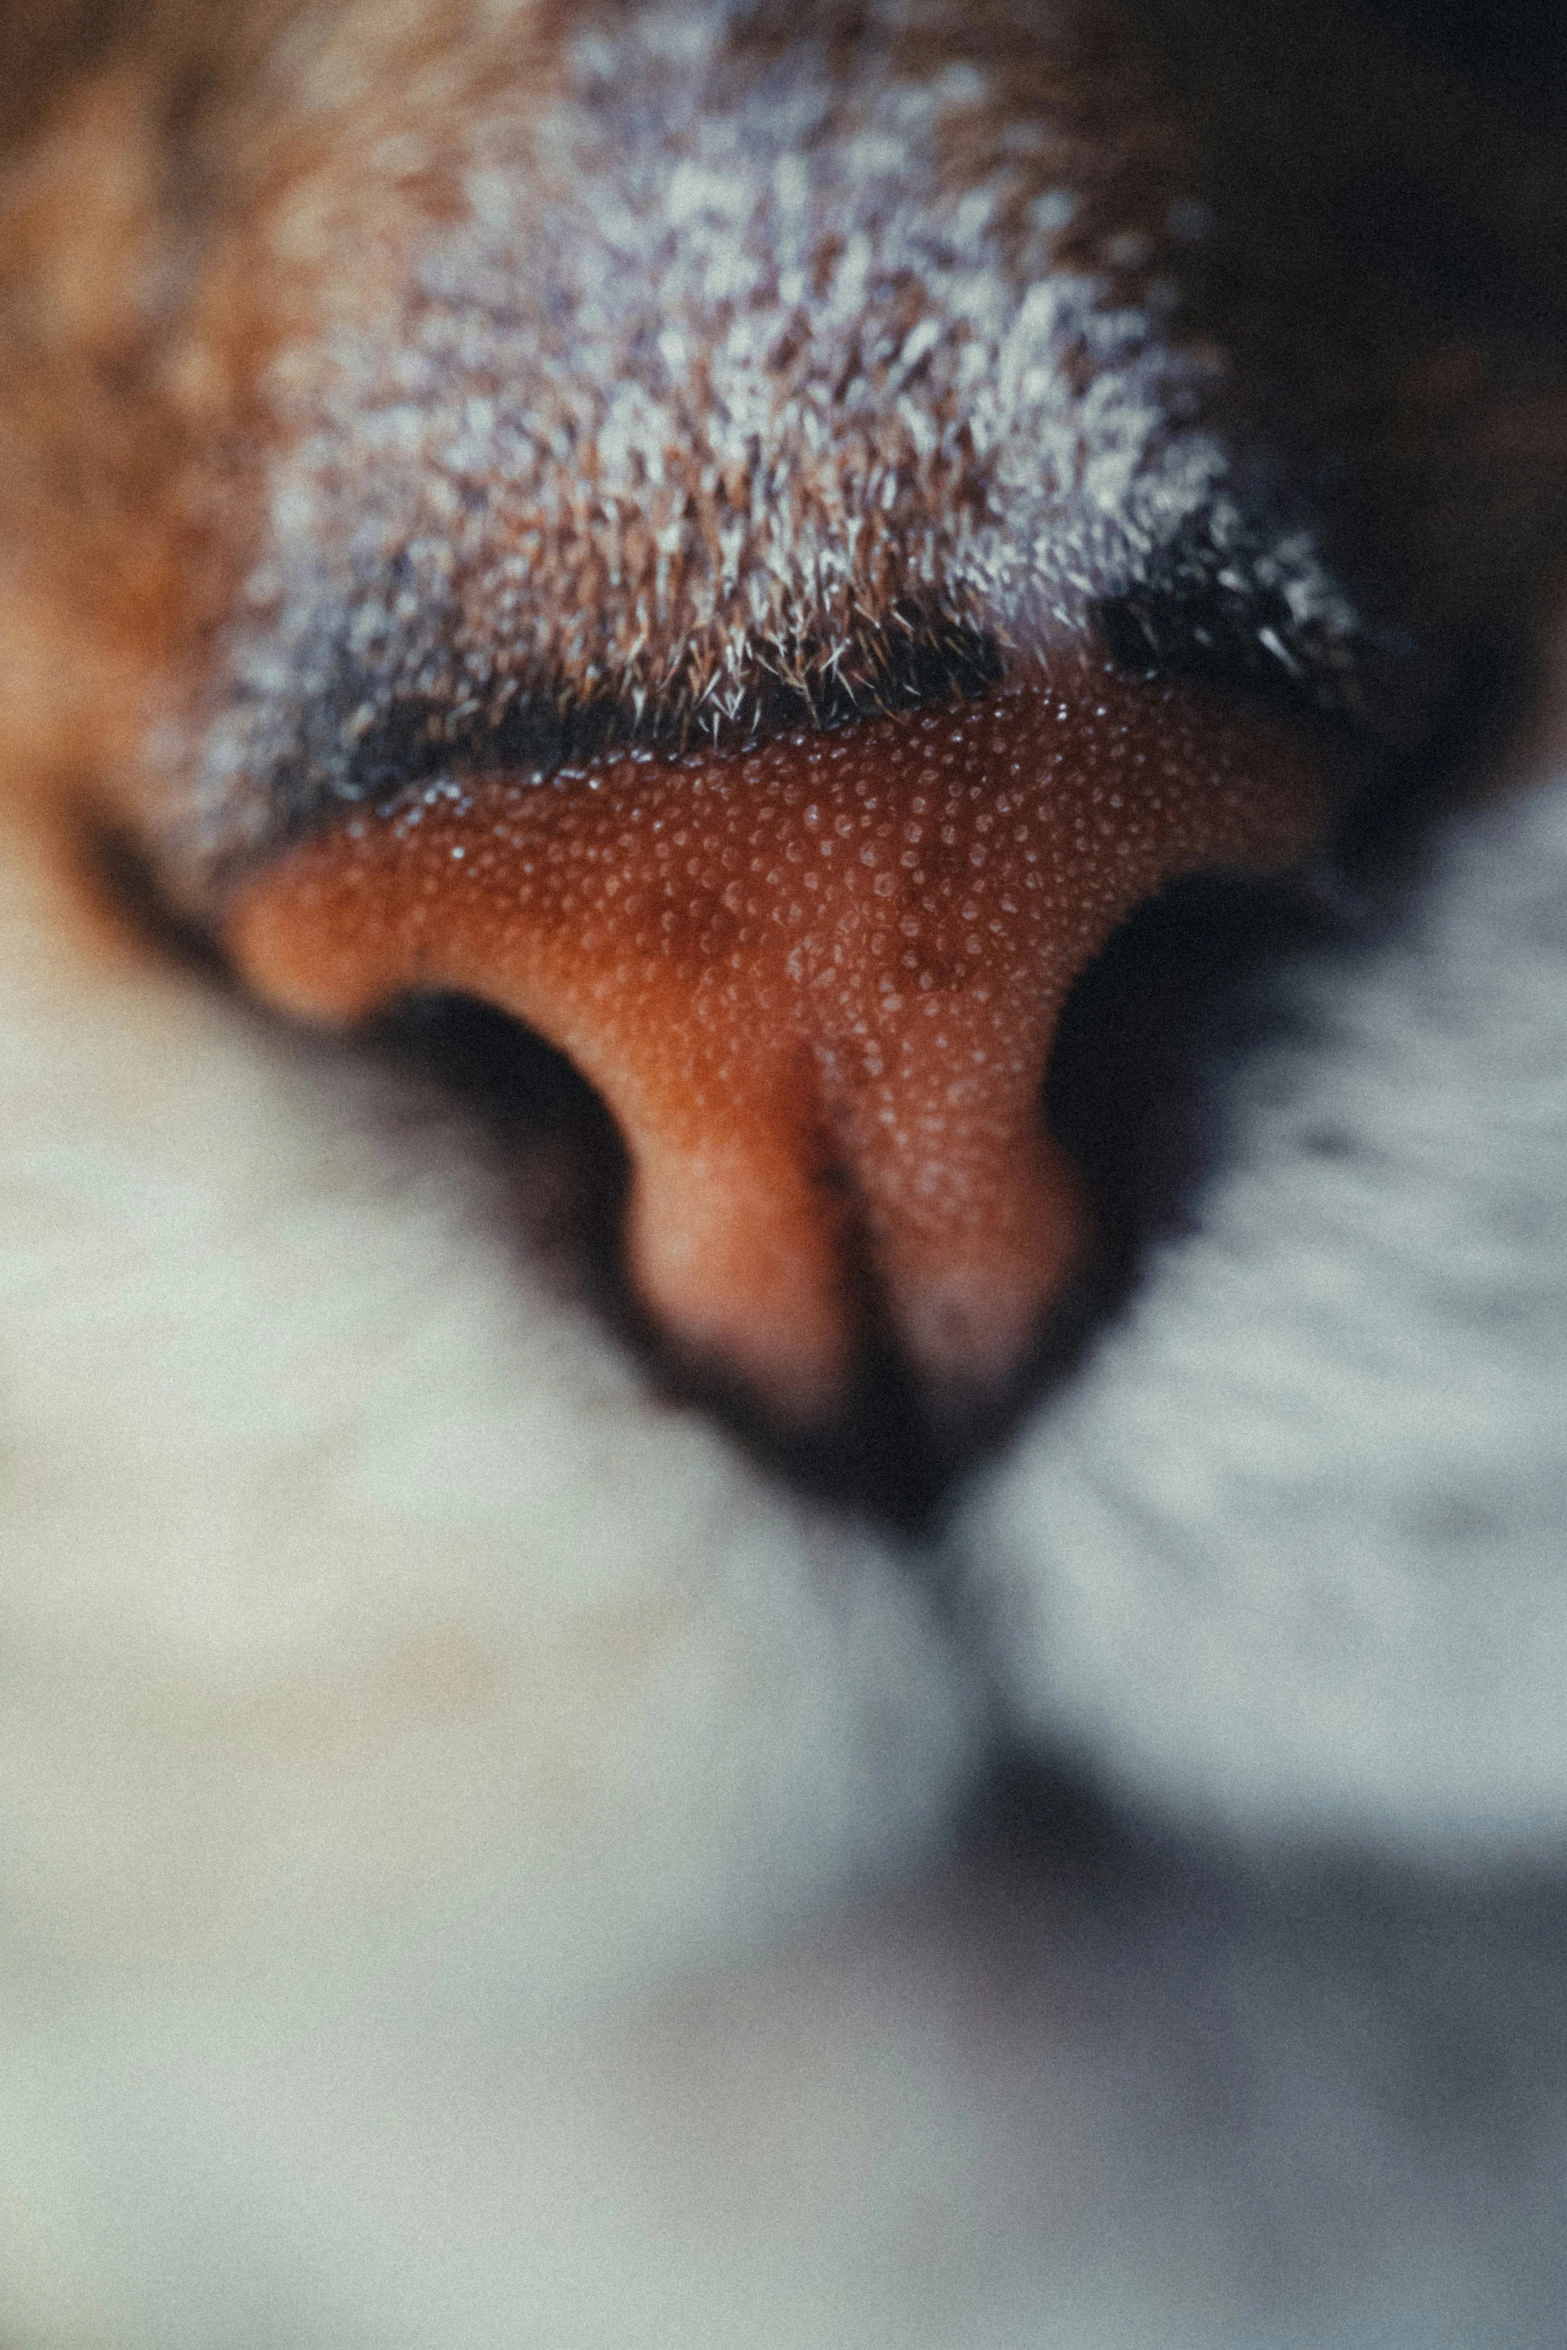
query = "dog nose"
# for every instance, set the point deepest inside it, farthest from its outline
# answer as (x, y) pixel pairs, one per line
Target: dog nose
(816, 982)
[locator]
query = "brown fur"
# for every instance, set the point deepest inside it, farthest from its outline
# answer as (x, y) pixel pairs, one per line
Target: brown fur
(187, 190)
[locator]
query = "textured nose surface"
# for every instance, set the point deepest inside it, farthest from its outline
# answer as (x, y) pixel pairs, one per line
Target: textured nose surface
(817, 985)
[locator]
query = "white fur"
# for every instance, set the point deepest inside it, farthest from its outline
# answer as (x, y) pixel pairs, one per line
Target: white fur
(353, 1598)
(416, 1744)
(1294, 1555)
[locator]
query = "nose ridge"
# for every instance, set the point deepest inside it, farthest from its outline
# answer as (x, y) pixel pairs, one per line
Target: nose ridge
(817, 985)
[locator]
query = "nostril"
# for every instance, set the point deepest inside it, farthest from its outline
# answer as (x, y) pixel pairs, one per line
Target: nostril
(544, 1121)
(1144, 1039)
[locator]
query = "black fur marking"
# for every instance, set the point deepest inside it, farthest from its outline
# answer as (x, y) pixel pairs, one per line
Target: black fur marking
(413, 735)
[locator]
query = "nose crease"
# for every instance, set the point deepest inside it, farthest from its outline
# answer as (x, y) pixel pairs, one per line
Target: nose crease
(816, 984)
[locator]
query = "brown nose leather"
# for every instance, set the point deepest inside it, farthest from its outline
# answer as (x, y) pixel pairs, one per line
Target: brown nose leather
(816, 983)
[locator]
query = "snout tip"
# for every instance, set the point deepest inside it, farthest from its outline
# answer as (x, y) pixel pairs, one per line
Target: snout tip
(817, 986)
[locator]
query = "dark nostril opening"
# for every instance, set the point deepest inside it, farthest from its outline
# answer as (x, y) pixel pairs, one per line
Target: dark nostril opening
(1130, 1092)
(509, 1076)
(561, 1148)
